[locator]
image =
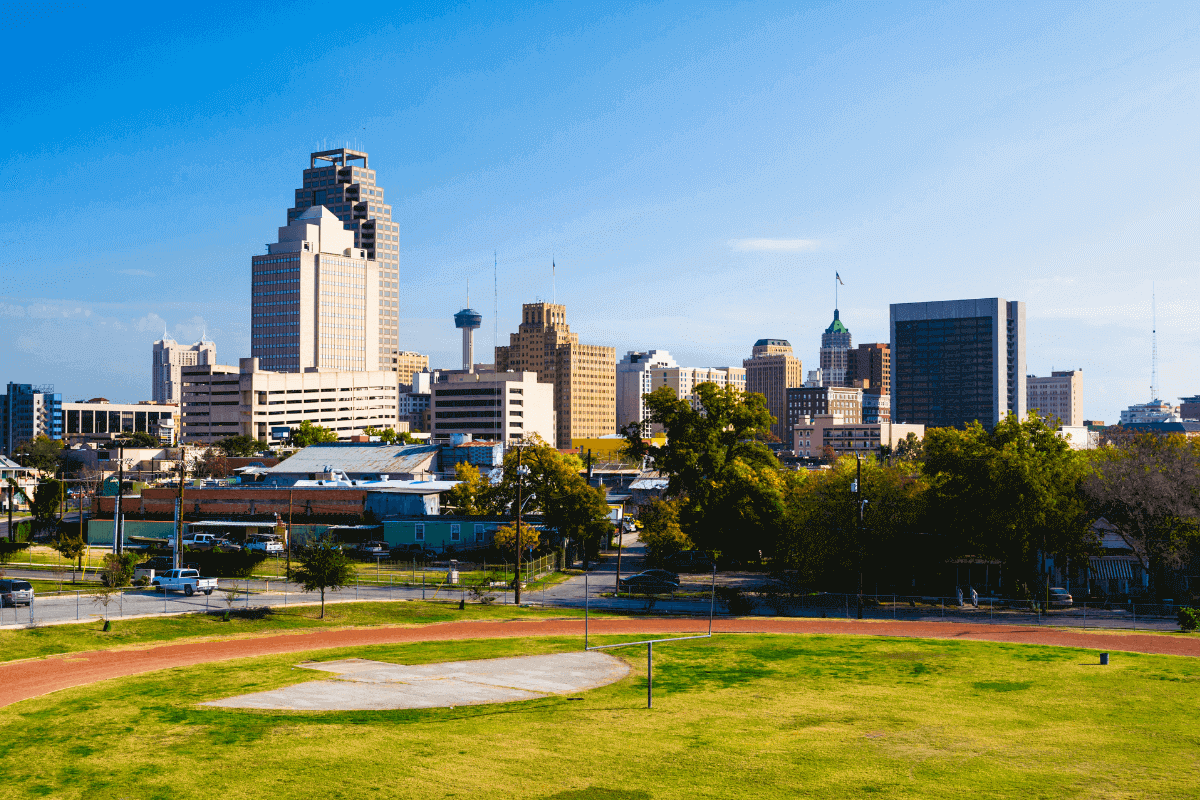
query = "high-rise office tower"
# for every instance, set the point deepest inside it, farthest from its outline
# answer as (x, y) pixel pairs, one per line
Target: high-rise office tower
(957, 361)
(584, 375)
(169, 357)
(1058, 397)
(341, 181)
(634, 379)
(835, 350)
(314, 299)
(771, 370)
(872, 364)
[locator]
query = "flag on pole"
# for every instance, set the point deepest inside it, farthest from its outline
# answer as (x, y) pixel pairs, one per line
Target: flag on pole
(839, 279)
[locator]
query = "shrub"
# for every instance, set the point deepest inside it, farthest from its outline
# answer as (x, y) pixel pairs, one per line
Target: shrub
(735, 600)
(1189, 618)
(9, 549)
(118, 569)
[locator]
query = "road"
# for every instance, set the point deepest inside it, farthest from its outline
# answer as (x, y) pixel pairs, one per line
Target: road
(576, 592)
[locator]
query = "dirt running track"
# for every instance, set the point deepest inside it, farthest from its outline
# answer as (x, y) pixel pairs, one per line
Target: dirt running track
(31, 678)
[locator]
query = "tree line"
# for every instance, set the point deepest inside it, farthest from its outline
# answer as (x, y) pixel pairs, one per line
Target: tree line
(1012, 494)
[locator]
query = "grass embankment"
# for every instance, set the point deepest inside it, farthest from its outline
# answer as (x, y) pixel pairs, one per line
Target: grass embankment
(734, 716)
(77, 637)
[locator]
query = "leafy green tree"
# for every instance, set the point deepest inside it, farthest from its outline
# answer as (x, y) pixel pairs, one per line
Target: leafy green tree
(118, 569)
(240, 446)
(391, 435)
(212, 464)
(1013, 493)
(71, 547)
(661, 533)
(307, 434)
(41, 453)
(470, 496)
(719, 467)
(553, 487)
(138, 439)
(323, 566)
(47, 503)
(506, 538)
(1149, 487)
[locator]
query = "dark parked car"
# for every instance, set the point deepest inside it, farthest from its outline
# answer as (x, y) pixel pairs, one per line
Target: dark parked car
(647, 584)
(370, 550)
(690, 561)
(665, 574)
(413, 552)
(15, 592)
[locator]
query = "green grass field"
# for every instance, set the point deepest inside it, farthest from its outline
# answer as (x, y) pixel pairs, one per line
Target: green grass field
(735, 717)
(77, 637)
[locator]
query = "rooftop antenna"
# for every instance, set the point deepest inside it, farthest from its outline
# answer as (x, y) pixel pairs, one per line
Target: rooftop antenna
(495, 302)
(553, 281)
(1153, 346)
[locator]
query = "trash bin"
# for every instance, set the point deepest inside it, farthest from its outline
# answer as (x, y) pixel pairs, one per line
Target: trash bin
(452, 576)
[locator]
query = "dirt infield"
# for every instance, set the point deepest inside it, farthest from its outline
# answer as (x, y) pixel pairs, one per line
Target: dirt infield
(22, 680)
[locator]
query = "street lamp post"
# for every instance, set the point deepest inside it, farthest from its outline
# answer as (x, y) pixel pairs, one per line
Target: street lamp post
(521, 472)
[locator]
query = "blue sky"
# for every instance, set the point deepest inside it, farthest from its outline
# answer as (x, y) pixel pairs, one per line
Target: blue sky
(698, 173)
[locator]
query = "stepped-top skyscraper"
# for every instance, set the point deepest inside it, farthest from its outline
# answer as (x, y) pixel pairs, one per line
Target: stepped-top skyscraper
(341, 181)
(835, 353)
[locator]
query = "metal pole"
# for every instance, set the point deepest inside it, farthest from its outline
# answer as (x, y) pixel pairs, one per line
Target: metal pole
(179, 514)
(517, 571)
(649, 674)
(585, 611)
(117, 506)
(858, 497)
(712, 599)
(289, 537)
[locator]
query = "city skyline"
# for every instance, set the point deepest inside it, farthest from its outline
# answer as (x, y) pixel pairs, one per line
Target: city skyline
(925, 153)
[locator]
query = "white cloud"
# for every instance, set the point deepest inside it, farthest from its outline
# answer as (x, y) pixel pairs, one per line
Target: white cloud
(776, 245)
(140, 273)
(151, 323)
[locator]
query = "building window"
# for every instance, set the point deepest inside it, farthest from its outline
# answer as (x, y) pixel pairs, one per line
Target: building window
(455, 532)
(419, 531)
(478, 534)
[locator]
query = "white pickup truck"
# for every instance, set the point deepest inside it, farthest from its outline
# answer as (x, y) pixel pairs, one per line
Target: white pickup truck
(187, 581)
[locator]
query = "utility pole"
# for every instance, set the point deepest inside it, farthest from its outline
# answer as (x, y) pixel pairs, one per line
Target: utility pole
(517, 582)
(12, 536)
(117, 505)
(289, 537)
(179, 512)
(859, 528)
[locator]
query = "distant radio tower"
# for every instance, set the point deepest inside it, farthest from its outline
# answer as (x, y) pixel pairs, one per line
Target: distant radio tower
(1153, 346)
(495, 303)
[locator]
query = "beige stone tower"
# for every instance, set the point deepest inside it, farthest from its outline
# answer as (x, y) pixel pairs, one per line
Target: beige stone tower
(772, 370)
(584, 375)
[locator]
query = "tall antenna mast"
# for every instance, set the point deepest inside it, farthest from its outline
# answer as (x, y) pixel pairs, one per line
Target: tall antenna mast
(1153, 346)
(553, 282)
(495, 304)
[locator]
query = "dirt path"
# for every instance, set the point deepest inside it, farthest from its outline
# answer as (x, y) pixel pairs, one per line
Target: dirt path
(32, 678)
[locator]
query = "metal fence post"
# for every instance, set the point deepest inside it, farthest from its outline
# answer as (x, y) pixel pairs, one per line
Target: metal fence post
(76, 605)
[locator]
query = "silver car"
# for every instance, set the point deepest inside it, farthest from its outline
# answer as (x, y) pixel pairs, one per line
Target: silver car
(15, 592)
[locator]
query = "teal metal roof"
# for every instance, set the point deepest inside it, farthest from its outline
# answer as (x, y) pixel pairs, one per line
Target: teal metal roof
(836, 326)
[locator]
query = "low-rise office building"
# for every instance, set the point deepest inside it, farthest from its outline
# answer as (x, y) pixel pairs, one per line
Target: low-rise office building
(98, 420)
(812, 435)
(221, 401)
(506, 406)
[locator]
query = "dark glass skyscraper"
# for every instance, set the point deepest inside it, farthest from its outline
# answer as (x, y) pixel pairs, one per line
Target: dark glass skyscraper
(957, 361)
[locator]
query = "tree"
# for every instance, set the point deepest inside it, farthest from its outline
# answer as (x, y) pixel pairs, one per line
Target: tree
(41, 453)
(72, 548)
(138, 439)
(1013, 493)
(391, 435)
(307, 434)
(240, 446)
(660, 531)
(47, 501)
(470, 496)
(212, 464)
(323, 566)
(506, 538)
(719, 467)
(553, 487)
(1149, 488)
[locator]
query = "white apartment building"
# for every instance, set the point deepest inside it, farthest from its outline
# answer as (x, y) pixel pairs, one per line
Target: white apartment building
(640, 373)
(169, 357)
(1154, 411)
(314, 299)
(496, 406)
(222, 401)
(1059, 396)
(633, 381)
